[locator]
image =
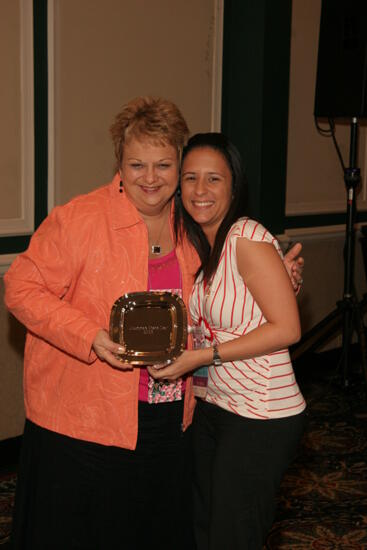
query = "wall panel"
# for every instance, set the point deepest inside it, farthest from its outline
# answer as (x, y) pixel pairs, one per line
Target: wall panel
(109, 52)
(16, 115)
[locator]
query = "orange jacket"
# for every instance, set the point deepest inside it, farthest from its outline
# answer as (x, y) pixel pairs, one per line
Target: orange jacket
(83, 257)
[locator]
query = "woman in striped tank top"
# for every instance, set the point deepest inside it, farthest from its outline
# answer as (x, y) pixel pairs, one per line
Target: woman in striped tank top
(247, 426)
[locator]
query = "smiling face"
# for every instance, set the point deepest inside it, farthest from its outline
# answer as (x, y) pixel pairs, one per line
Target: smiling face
(149, 174)
(206, 186)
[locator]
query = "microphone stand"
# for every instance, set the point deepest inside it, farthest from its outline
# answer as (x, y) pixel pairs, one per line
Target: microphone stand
(352, 317)
(349, 312)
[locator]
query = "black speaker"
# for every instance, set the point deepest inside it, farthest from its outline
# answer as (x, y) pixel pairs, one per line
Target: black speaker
(341, 87)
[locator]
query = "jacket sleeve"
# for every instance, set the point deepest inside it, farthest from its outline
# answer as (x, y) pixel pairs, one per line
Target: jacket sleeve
(39, 285)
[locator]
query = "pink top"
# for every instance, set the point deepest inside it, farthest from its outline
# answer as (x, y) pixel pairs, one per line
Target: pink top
(163, 274)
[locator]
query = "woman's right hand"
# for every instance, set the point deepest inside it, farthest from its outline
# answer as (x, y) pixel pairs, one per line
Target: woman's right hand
(106, 350)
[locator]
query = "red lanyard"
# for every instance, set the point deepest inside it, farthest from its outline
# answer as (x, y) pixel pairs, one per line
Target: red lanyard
(208, 327)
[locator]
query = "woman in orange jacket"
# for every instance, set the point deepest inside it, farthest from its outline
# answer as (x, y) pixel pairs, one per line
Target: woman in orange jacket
(104, 458)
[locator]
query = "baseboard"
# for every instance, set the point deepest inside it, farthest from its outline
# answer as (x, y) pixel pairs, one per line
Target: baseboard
(9, 451)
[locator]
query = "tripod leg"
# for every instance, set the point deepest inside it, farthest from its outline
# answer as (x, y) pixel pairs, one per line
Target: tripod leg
(347, 339)
(361, 332)
(352, 179)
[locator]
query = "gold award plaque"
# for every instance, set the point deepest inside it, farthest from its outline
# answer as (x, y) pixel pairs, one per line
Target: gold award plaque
(152, 326)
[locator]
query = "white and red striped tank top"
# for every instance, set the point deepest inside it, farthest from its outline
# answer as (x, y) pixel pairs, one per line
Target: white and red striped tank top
(263, 387)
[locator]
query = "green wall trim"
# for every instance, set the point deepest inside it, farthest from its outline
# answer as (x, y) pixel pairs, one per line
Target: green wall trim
(19, 243)
(256, 59)
(321, 220)
(14, 245)
(40, 110)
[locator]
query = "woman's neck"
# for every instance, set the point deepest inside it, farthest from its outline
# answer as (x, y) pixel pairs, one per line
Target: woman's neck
(155, 217)
(210, 234)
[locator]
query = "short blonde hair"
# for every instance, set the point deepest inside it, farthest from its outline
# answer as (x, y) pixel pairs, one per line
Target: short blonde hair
(149, 118)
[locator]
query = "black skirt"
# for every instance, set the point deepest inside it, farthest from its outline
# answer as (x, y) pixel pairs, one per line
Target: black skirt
(73, 494)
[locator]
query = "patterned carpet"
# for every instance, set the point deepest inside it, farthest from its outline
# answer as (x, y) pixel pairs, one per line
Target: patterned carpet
(323, 500)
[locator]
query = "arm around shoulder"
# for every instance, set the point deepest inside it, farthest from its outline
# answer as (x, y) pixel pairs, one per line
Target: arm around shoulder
(265, 276)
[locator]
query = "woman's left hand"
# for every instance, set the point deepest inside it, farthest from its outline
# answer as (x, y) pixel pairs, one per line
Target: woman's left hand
(294, 265)
(184, 364)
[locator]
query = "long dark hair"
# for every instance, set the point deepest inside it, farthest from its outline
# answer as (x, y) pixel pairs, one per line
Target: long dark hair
(238, 207)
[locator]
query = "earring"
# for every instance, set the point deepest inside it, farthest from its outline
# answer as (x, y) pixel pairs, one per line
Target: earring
(121, 186)
(178, 191)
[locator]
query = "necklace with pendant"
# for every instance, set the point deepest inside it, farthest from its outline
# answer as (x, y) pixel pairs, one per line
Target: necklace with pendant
(156, 248)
